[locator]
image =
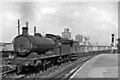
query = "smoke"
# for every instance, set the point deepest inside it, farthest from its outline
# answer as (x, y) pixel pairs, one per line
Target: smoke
(26, 10)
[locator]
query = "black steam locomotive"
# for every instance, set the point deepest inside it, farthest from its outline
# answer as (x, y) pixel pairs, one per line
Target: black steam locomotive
(40, 52)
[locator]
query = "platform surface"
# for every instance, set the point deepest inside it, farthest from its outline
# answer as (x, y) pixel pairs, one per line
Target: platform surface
(101, 66)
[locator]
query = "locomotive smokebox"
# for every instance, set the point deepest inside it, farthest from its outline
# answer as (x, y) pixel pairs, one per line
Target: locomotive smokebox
(25, 30)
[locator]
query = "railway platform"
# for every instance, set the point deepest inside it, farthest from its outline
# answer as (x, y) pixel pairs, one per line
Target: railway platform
(101, 66)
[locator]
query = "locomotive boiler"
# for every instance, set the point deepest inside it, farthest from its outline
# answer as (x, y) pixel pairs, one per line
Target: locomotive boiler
(25, 44)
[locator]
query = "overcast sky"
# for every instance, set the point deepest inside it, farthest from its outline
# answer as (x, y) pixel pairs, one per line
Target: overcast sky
(95, 19)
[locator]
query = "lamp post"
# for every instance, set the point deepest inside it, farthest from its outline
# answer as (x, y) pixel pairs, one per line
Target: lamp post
(112, 42)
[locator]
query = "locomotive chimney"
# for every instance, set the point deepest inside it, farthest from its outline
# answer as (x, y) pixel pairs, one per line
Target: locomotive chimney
(34, 30)
(25, 29)
(18, 27)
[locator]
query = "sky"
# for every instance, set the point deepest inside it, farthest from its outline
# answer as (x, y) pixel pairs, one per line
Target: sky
(98, 20)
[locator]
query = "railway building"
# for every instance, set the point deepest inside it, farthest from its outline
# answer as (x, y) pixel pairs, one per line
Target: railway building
(66, 33)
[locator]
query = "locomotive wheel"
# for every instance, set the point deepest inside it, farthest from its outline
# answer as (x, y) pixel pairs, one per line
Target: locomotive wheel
(19, 69)
(49, 64)
(52, 63)
(37, 66)
(64, 59)
(60, 61)
(44, 68)
(68, 59)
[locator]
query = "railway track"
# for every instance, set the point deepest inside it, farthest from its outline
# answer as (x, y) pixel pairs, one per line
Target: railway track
(63, 71)
(54, 72)
(10, 74)
(6, 69)
(4, 74)
(63, 74)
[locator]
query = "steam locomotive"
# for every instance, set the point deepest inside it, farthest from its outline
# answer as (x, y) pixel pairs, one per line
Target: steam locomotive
(37, 52)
